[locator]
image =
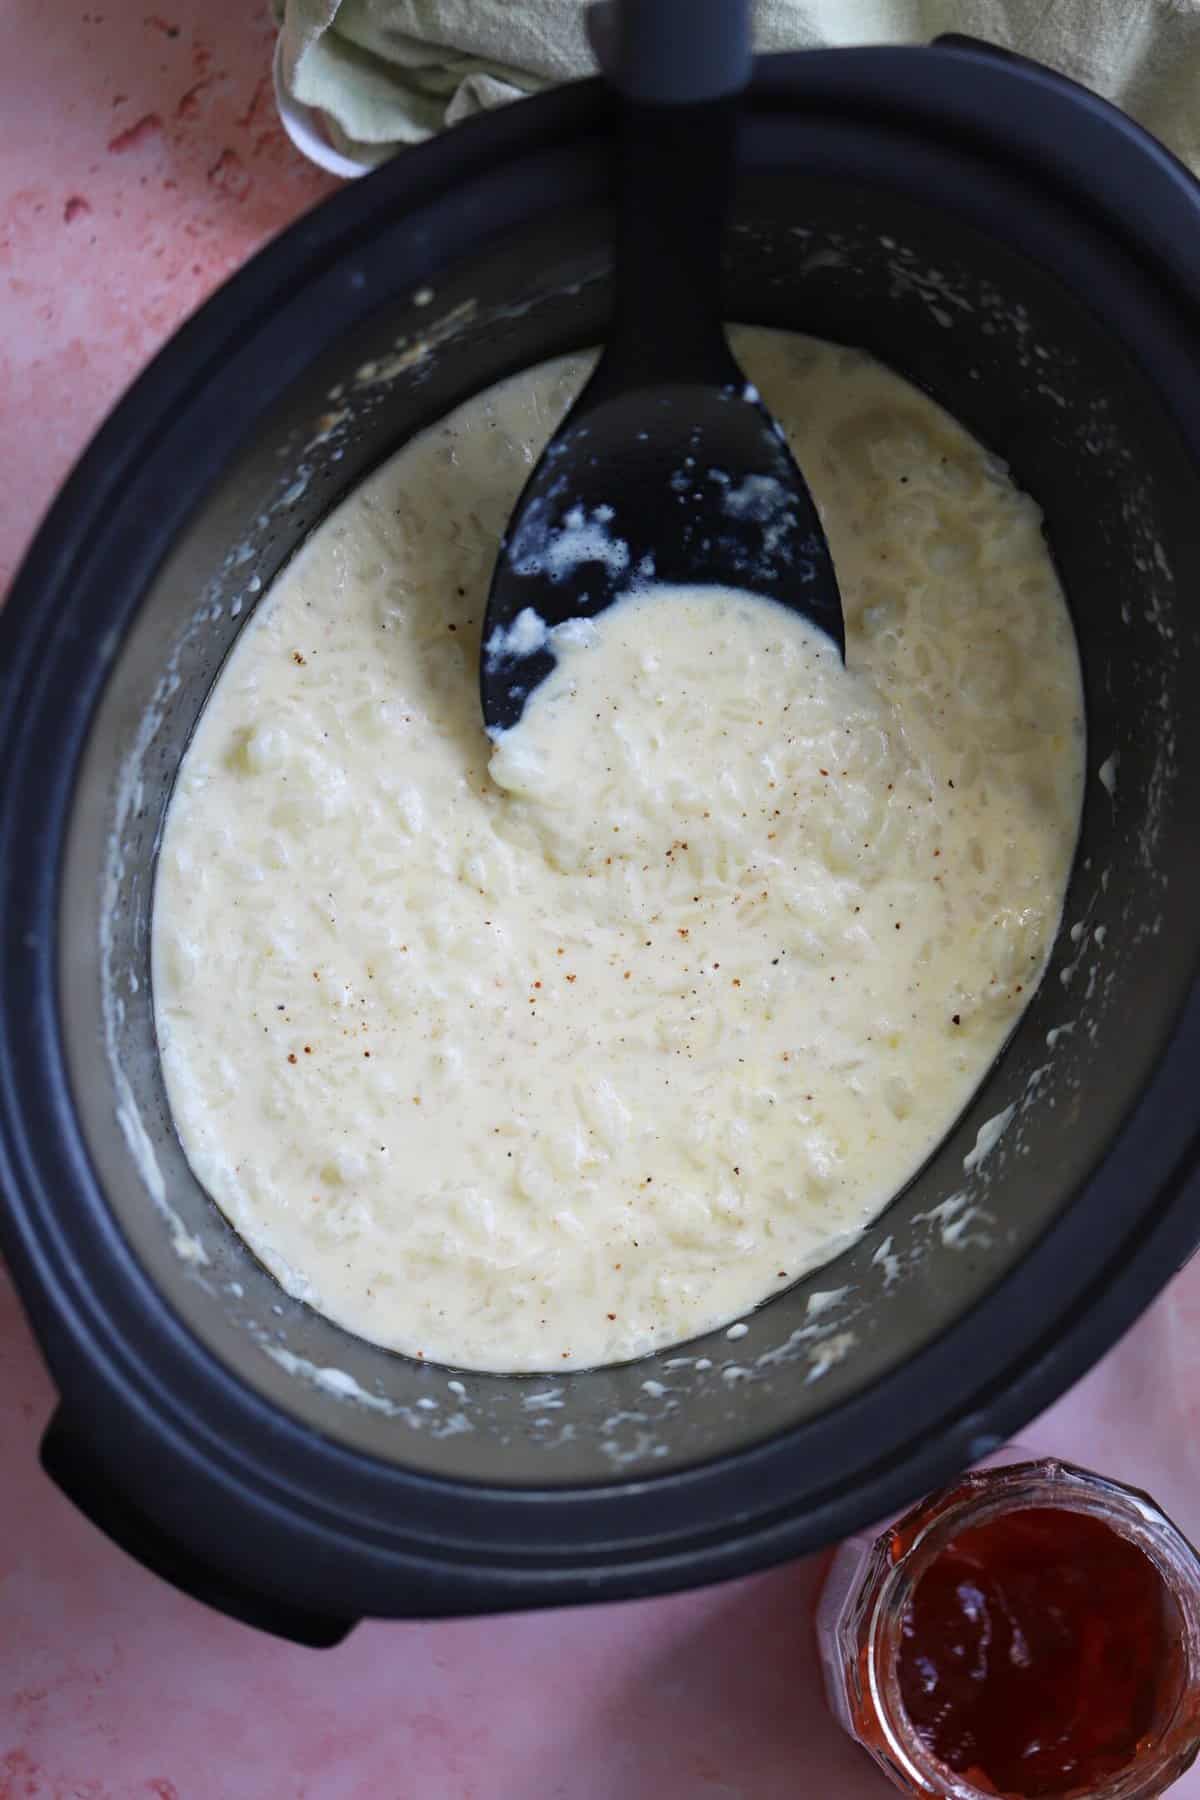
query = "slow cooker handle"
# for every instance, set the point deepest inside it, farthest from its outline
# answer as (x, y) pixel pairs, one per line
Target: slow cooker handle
(73, 1467)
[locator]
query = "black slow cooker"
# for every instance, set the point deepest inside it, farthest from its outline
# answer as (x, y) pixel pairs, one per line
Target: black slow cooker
(1030, 258)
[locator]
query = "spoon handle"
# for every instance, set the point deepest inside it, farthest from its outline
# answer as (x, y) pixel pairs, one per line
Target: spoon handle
(672, 52)
(679, 66)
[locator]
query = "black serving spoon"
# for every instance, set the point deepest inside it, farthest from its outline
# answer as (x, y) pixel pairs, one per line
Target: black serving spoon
(668, 467)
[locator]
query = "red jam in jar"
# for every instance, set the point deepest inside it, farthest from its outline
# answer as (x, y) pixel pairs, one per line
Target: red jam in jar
(1037, 1653)
(1032, 1633)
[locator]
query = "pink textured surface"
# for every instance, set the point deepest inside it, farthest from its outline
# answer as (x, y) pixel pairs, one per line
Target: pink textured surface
(140, 162)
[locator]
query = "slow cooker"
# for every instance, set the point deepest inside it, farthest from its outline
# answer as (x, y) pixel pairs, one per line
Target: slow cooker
(1030, 258)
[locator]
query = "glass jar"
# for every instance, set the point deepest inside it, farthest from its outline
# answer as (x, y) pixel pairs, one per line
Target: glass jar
(869, 1625)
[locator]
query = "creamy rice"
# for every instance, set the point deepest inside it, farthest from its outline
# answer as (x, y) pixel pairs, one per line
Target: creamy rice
(543, 1054)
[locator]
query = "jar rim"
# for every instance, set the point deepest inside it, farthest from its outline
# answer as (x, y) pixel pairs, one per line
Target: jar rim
(915, 1540)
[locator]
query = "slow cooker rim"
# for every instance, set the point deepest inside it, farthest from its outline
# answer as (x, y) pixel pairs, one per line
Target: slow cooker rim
(1162, 198)
(1157, 1250)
